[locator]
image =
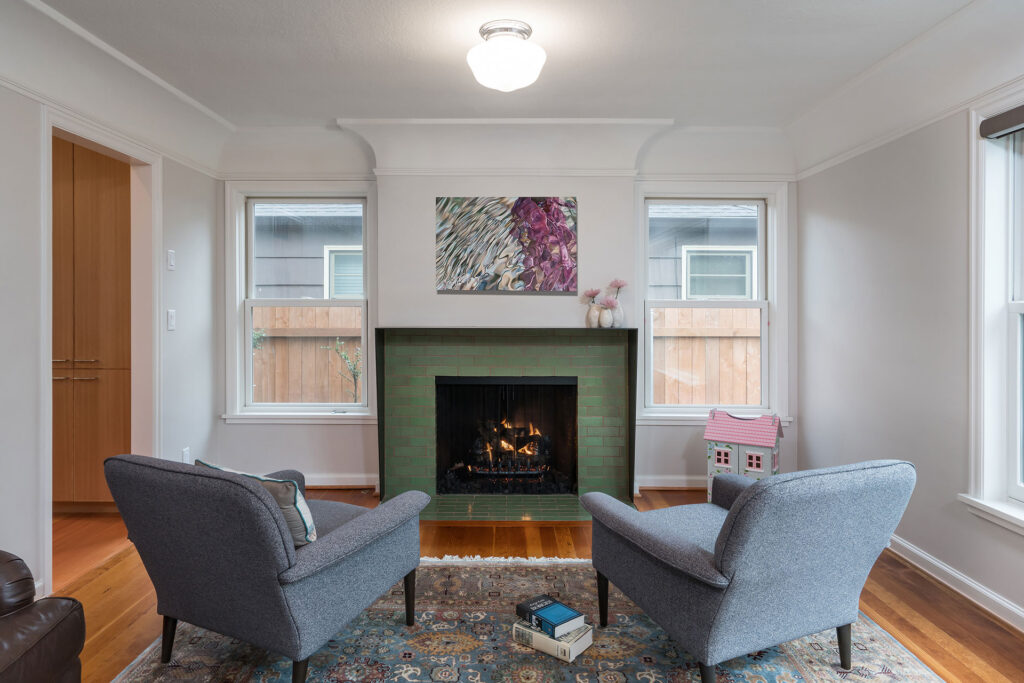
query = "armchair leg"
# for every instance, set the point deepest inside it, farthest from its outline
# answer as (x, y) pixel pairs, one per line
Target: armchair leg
(299, 670)
(410, 598)
(602, 597)
(843, 636)
(707, 673)
(168, 640)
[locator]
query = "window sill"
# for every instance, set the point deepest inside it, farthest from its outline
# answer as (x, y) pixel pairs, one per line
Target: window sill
(301, 418)
(691, 420)
(1007, 514)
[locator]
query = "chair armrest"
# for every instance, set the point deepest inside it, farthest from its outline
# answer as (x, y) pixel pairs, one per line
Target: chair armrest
(17, 588)
(293, 475)
(726, 488)
(675, 551)
(355, 535)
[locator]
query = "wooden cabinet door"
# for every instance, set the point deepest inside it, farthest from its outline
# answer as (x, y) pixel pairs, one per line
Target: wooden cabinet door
(63, 253)
(102, 419)
(63, 436)
(102, 271)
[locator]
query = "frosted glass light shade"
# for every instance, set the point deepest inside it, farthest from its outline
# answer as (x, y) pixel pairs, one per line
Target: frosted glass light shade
(506, 62)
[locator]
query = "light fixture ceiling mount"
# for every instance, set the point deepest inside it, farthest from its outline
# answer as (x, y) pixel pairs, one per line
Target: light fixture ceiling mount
(506, 60)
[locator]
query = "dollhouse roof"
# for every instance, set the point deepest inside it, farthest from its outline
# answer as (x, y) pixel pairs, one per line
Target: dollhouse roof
(760, 431)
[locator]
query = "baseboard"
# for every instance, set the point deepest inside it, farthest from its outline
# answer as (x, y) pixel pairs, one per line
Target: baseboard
(669, 481)
(347, 480)
(984, 597)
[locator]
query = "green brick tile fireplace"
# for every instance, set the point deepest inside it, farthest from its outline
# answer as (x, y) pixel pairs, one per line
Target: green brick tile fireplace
(410, 359)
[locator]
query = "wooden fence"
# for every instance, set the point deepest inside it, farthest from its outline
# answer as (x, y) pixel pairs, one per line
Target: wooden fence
(294, 360)
(707, 356)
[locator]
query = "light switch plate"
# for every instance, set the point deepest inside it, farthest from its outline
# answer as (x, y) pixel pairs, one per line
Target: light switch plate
(172, 319)
(171, 265)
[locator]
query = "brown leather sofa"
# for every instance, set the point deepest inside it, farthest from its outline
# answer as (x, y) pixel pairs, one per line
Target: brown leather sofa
(39, 640)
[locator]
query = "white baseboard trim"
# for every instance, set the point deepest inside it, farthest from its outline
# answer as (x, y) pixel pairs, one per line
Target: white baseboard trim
(670, 481)
(39, 589)
(328, 479)
(984, 597)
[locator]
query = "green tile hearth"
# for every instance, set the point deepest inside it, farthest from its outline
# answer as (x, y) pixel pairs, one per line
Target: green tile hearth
(496, 508)
(411, 359)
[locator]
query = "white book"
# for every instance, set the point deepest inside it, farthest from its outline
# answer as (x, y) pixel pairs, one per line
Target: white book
(566, 648)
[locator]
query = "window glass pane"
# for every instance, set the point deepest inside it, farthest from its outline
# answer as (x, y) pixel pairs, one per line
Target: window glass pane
(706, 356)
(307, 354)
(290, 240)
(710, 237)
(720, 286)
(346, 273)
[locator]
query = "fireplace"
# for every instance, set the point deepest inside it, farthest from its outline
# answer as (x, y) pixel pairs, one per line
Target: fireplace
(506, 435)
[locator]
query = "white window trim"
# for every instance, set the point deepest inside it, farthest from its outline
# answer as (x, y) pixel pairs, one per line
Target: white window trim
(776, 282)
(993, 422)
(689, 250)
(236, 195)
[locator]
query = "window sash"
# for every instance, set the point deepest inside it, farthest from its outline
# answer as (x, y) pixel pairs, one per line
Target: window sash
(676, 408)
(297, 407)
(331, 257)
(749, 274)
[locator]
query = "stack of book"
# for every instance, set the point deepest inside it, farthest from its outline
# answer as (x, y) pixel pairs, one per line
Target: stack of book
(551, 627)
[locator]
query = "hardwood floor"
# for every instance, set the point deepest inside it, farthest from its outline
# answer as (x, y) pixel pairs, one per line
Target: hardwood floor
(958, 640)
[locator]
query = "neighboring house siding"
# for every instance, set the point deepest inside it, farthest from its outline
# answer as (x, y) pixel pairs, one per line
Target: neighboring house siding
(289, 258)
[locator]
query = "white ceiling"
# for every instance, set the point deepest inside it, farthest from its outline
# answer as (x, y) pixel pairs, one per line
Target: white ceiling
(702, 62)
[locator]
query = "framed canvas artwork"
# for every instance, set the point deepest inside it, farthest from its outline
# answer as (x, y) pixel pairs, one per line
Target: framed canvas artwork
(506, 244)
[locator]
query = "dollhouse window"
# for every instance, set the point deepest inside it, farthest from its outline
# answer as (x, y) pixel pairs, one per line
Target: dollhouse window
(754, 463)
(722, 457)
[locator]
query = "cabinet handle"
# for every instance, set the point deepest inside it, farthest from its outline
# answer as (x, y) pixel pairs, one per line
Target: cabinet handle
(60, 360)
(90, 360)
(58, 379)
(84, 379)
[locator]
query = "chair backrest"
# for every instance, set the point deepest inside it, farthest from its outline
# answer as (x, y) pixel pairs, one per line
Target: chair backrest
(212, 542)
(798, 547)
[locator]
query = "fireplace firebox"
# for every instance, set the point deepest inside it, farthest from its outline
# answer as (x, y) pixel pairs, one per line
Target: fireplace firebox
(506, 435)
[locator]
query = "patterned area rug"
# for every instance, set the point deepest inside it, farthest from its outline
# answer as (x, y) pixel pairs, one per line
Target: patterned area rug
(465, 612)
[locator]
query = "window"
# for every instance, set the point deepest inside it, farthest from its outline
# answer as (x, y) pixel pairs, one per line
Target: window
(754, 462)
(722, 457)
(1015, 309)
(303, 305)
(706, 303)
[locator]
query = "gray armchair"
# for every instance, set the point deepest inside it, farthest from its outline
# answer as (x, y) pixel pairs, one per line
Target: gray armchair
(220, 555)
(763, 563)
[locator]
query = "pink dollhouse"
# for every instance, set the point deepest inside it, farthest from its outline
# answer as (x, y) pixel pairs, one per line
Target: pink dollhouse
(739, 445)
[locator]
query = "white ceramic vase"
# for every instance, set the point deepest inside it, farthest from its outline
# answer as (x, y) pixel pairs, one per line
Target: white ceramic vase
(593, 315)
(618, 317)
(606, 319)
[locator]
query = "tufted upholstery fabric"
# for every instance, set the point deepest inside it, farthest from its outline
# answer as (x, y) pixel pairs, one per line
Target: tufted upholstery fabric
(789, 557)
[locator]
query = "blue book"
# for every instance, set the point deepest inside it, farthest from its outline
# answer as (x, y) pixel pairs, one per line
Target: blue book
(546, 614)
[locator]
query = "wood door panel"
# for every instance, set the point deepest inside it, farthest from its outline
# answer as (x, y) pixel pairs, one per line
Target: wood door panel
(102, 427)
(102, 274)
(63, 253)
(63, 436)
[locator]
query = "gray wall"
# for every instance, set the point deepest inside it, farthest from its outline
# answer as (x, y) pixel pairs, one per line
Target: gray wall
(20, 310)
(883, 329)
(192, 379)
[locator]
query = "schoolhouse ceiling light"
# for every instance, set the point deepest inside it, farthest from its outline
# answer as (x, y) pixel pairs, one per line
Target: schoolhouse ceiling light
(506, 60)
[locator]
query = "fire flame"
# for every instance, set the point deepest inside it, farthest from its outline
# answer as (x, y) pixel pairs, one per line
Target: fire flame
(505, 424)
(534, 431)
(528, 449)
(505, 445)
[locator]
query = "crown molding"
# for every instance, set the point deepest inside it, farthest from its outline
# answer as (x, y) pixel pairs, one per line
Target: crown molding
(348, 123)
(497, 172)
(124, 59)
(717, 177)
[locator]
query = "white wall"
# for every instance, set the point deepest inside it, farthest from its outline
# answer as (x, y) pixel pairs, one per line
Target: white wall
(21, 309)
(192, 381)
(883, 336)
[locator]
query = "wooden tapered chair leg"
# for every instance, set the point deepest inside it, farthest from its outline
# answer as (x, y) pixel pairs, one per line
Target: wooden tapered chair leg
(843, 635)
(707, 673)
(299, 670)
(410, 598)
(602, 597)
(170, 625)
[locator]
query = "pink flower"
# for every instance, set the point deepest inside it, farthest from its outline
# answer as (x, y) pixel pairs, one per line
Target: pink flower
(617, 283)
(610, 302)
(591, 293)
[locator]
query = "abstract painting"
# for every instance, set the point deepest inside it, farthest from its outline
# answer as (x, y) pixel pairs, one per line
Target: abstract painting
(513, 244)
